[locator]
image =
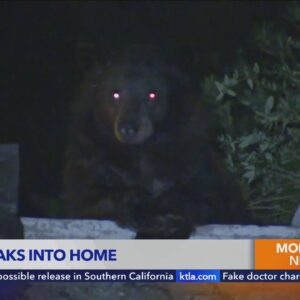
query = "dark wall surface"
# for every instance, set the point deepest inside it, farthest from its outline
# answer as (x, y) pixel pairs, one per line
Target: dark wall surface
(39, 72)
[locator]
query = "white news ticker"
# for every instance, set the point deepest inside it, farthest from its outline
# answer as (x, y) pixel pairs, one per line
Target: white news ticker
(135, 254)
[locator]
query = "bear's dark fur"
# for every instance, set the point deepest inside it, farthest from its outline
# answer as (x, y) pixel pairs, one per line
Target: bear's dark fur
(140, 151)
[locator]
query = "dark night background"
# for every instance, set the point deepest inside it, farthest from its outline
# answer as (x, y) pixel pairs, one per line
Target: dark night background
(39, 72)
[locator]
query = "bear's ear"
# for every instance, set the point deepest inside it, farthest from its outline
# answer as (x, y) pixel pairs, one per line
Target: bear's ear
(86, 56)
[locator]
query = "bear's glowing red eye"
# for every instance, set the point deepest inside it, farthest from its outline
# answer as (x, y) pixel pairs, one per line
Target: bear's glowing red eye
(116, 95)
(152, 96)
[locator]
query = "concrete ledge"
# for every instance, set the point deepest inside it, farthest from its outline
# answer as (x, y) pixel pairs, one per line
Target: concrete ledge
(36, 228)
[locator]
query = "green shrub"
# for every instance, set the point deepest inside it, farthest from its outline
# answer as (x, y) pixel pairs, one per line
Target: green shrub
(258, 109)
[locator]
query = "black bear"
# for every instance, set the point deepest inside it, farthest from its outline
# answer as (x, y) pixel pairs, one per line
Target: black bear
(140, 151)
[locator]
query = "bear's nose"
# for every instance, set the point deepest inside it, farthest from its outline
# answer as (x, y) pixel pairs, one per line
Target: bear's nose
(128, 129)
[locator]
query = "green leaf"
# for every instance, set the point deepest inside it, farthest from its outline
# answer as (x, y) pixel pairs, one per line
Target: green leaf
(250, 83)
(236, 75)
(249, 175)
(256, 68)
(226, 80)
(264, 147)
(220, 97)
(230, 92)
(269, 156)
(248, 140)
(230, 82)
(220, 86)
(269, 104)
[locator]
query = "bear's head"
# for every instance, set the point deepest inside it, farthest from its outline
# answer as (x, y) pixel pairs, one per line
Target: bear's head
(136, 94)
(134, 98)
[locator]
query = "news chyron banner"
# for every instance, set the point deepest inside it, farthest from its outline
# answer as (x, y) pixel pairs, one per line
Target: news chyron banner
(181, 261)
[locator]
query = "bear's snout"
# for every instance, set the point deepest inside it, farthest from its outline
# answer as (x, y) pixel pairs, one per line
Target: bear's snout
(133, 131)
(128, 129)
